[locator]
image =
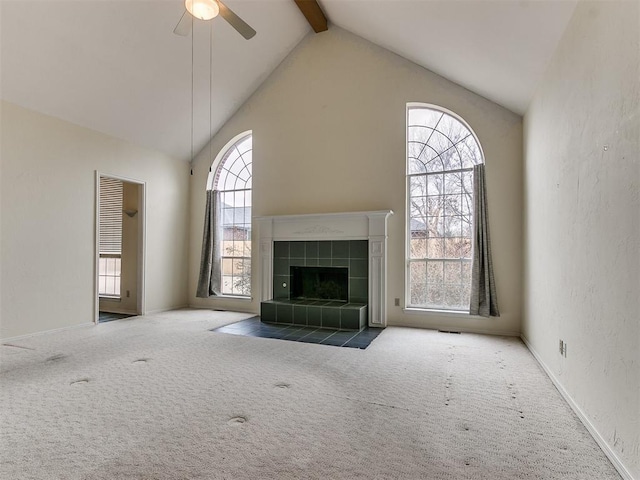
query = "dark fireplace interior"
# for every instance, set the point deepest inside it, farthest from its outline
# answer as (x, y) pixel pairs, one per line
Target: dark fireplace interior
(320, 283)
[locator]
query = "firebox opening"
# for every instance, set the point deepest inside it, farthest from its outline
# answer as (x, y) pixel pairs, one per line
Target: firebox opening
(320, 283)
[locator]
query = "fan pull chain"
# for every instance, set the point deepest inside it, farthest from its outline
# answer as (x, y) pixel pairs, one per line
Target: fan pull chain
(210, 92)
(192, 106)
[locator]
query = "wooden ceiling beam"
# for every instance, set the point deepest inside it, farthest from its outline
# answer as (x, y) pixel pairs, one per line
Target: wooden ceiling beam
(313, 13)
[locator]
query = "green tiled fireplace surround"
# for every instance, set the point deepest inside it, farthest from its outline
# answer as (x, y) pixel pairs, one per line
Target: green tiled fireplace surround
(353, 254)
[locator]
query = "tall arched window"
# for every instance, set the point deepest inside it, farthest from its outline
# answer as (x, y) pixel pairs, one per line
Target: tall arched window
(226, 253)
(233, 183)
(441, 153)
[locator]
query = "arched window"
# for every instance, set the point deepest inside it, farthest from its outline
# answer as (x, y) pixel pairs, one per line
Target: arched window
(441, 153)
(226, 253)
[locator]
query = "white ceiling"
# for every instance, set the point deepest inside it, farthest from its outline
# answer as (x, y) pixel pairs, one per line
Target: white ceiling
(496, 48)
(116, 67)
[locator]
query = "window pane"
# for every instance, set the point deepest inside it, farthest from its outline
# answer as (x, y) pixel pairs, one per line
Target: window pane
(451, 227)
(418, 186)
(465, 296)
(415, 165)
(418, 247)
(227, 199)
(236, 165)
(418, 294)
(227, 266)
(424, 116)
(435, 184)
(435, 205)
(435, 272)
(435, 248)
(418, 277)
(467, 182)
(227, 284)
(109, 271)
(110, 285)
(453, 128)
(433, 162)
(457, 247)
(244, 175)
(453, 296)
(452, 204)
(435, 296)
(418, 206)
(435, 226)
(453, 182)
(452, 272)
(466, 273)
(440, 143)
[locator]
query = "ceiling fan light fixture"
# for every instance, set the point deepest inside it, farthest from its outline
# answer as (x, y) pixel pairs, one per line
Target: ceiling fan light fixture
(202, 9)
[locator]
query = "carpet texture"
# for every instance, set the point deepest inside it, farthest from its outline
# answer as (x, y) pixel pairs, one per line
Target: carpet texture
(162, 397)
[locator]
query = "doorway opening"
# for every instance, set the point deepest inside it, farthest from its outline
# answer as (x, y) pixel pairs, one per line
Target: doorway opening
(119, 251)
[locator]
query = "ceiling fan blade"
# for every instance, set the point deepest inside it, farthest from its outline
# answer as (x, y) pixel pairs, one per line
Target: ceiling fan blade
(236, 22)
(184, 25)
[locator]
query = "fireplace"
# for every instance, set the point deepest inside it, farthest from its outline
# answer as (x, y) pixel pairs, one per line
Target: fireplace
(356, 241)
(320, 283)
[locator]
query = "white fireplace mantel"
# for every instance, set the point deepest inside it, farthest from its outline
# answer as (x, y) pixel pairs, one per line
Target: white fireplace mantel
(370, 226)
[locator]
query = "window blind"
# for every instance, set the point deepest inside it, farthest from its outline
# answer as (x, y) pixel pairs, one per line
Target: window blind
(110, 216)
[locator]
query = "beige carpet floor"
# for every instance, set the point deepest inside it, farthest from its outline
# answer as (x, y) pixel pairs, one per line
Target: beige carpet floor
(162, 397)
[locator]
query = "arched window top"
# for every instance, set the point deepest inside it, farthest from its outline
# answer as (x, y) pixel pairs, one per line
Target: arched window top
(439, 141)
(232, 167)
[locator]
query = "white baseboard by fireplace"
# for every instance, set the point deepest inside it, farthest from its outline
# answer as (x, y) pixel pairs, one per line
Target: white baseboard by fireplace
(371, 226)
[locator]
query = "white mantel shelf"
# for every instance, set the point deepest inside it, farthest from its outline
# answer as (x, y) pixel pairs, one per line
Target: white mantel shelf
(371, 226)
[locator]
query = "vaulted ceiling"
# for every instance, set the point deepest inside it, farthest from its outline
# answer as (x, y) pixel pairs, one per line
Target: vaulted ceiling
(116, 66)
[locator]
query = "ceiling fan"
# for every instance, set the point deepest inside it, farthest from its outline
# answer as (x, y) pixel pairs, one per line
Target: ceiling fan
(206, 10)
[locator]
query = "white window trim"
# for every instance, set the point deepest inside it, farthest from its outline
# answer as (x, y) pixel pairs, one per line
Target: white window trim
(210, 185)
(413, 310)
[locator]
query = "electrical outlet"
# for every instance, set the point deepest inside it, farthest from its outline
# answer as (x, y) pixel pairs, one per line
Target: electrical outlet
(397, 302)
(561, 347)
(128, 293)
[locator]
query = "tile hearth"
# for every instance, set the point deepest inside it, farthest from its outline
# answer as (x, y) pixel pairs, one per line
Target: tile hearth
(316, 314)
(253, 327)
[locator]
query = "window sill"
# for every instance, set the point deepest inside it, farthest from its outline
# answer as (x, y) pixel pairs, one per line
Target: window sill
(422, 311)
(233, 297)
(109, 298)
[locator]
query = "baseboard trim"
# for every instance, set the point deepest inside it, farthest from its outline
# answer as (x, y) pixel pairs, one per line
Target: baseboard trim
(602, 443)
(119, 311)
(479, 331)
(53, 330)
(209, 307)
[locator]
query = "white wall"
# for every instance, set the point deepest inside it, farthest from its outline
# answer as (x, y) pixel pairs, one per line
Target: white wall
(48, 220)
(582, 209)
(329, 136)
